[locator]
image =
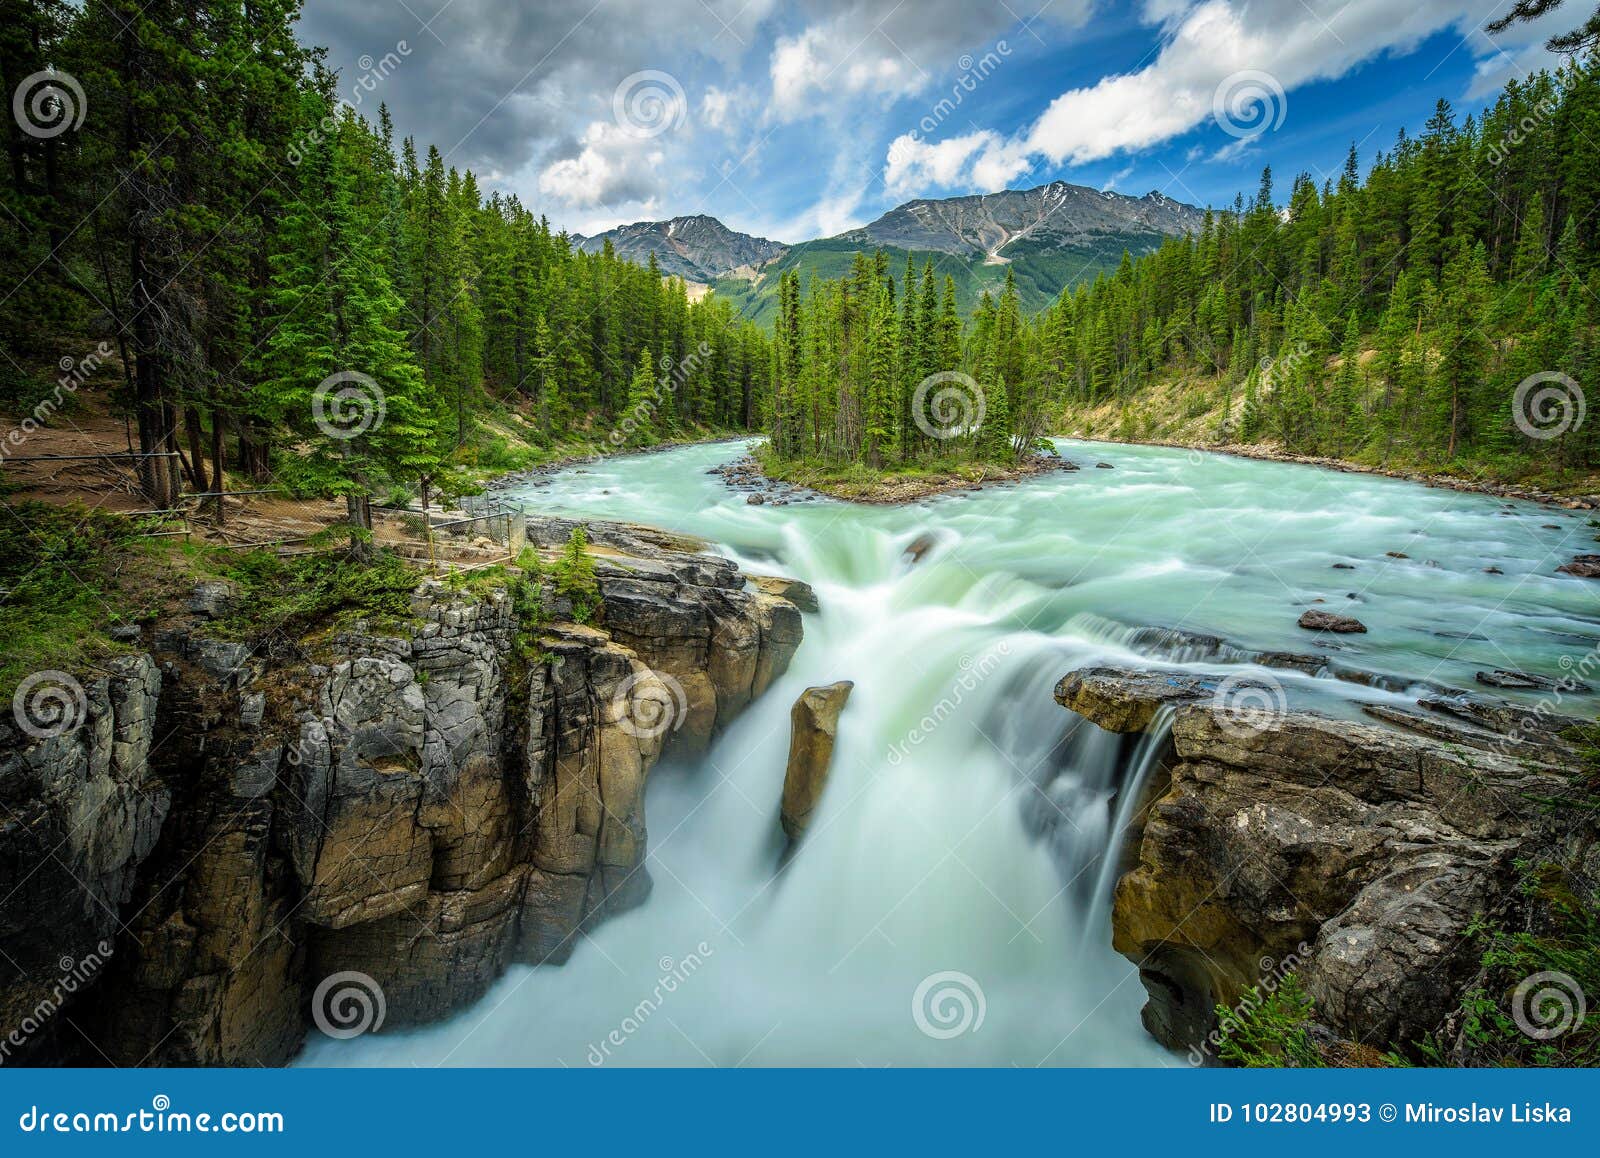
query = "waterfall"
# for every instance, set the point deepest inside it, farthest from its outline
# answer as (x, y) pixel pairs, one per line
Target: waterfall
(950, 904)
(1147, 754)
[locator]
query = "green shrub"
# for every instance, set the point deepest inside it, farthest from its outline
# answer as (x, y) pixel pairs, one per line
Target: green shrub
(1270, 1031)
(1560, 941)
(299, 594)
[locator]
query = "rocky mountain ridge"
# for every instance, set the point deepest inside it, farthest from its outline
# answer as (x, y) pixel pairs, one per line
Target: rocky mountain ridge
(1054, 235)
(697, 248)
(1054, 215)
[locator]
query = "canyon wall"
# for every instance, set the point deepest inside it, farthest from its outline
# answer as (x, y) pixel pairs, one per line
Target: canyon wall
(226, 825)
(1360, 855)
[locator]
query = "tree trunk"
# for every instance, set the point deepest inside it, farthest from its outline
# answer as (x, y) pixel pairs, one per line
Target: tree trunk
(218, 450)
(195, 464)
(358, 513)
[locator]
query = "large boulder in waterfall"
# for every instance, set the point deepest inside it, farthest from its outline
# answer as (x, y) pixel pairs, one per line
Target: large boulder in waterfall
(793, 590)
(813, 725)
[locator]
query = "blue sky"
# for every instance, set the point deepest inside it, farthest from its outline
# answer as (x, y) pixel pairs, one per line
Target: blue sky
(802, 119)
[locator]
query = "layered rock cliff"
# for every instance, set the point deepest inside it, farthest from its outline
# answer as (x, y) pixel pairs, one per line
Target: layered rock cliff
(1359, 855)
(227, 825)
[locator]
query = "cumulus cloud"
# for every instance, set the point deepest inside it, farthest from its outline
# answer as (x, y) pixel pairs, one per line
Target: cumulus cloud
(868, 48)
(1207, 46)
(613, 166)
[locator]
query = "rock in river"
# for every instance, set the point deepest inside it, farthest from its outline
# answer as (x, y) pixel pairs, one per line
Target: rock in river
(813, 725)
(1315, 620)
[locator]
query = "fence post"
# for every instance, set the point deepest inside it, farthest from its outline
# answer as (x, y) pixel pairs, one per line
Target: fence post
(516, 533)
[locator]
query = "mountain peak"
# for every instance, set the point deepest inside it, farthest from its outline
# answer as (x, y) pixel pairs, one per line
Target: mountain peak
(1056, 213)
(695, 247)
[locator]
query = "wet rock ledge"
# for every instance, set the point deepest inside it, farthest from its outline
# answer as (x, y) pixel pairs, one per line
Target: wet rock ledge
(226, 826)
(1360, 852)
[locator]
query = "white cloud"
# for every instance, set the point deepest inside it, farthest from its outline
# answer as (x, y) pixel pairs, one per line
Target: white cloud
(888, 51)
(612, 166)
(715, 106)
(1207, 44)
(1121, 174)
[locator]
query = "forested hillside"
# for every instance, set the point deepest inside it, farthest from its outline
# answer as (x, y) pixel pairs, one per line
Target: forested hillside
(272, 285)
(1437, 314)
(276, 288)
(1440, 313)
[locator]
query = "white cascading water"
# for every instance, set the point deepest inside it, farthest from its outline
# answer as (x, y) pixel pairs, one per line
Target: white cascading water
(951, 903)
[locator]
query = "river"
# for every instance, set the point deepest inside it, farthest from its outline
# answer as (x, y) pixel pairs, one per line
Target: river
(949, 905)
